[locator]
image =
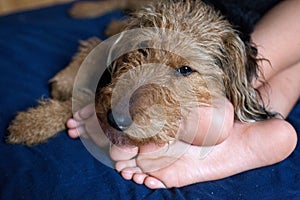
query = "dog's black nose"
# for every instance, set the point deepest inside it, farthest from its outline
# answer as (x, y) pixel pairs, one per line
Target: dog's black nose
(119, 122)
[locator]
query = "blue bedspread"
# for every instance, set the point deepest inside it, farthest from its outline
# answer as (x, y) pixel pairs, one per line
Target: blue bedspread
(34, 46)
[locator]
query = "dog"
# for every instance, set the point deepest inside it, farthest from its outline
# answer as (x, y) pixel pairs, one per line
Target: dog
(215, 63)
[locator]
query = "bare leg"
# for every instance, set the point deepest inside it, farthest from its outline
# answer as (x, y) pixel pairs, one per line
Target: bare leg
(283, 90)
(277, 38)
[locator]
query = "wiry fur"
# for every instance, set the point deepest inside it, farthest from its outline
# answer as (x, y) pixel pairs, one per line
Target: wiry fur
(223, 61)
(224, 66)
(38, 124)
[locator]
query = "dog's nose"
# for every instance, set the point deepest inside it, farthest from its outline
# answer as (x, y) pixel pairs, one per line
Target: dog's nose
(119, 122)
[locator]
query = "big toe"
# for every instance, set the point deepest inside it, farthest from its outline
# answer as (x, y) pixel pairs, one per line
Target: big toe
(153, 183)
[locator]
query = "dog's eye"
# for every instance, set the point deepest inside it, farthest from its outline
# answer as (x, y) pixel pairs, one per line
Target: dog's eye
(185, 70)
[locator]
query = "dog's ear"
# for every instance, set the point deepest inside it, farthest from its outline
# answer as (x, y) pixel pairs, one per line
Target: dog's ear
(239, 65)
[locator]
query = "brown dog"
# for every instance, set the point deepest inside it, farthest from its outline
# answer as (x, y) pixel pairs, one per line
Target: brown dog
(216, 64)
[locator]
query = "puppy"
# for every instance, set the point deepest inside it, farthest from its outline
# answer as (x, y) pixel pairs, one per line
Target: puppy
(178, 73)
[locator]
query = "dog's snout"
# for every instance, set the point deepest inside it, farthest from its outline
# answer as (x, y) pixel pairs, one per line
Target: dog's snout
(118, 121)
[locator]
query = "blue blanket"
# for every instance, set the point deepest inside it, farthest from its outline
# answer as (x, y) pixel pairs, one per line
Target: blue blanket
(34, 46)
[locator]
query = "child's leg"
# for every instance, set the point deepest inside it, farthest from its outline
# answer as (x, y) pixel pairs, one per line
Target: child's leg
(277, 38)
(283, 90)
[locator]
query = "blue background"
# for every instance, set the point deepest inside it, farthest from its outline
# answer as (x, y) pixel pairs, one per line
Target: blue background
(37, 44)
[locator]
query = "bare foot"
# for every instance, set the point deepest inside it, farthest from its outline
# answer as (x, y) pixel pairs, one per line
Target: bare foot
(178, 164)
(208, 125)
(249, 146)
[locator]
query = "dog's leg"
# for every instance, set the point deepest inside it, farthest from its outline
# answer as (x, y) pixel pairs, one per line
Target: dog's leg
(62, 82)
(90, 9)
(38, 124)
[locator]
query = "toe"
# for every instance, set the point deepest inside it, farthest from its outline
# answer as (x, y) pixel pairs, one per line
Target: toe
(139, 178)
(126, 164)
(129, 173)
(153, 183)
(119, 153)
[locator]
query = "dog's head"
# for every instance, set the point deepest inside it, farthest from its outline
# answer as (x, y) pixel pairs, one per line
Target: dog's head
(153, 88)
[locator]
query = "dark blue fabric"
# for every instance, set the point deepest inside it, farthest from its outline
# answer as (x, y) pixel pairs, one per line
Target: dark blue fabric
(33, 47)
(243, 15)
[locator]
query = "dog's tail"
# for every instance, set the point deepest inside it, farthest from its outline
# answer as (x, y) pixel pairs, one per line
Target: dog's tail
(38, 124)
